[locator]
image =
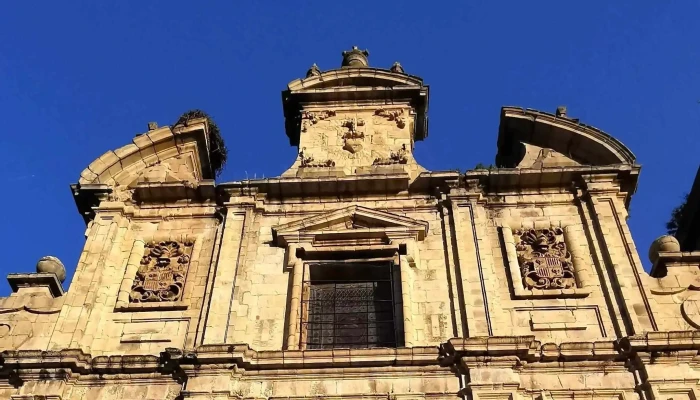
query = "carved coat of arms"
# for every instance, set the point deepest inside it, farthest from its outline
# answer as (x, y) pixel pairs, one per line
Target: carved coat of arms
(161, 275)
(544, 261)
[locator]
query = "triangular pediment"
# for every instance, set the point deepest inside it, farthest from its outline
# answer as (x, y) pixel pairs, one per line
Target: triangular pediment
(350, 222)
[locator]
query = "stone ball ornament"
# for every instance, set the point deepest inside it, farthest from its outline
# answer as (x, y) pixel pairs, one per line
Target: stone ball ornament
(51, 264)
(663, 243)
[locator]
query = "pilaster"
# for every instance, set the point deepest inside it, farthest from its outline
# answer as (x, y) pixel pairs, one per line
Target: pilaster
(98, 265)
(469, 261)
(602, 204)
(225, 272)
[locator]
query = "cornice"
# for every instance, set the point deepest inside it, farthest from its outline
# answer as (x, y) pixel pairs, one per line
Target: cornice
(475, 352)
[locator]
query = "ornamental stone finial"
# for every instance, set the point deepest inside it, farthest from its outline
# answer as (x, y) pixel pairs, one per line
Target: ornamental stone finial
(665, 243)
(313, 71)
(397, 68)
(51, 264)
(561, 111)
(355, 58)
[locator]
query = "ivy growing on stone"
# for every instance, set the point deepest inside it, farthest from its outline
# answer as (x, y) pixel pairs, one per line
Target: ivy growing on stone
(218, 153)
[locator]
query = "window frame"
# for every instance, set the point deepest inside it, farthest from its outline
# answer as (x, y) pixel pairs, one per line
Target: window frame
(393, 278)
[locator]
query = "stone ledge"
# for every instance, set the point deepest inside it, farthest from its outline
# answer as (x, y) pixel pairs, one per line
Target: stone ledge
(671, 259)
(173, 191)
(50, 280)
(526, 348)
(662, 341)
(506, 352)
(243, 356)
(164, 306)
(88, 196)
(325, 186)
(570, 293)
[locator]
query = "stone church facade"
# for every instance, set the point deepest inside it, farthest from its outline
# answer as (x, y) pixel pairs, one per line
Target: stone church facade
(357, 273)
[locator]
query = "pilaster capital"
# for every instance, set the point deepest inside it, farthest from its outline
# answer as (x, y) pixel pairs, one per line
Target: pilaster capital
(598, 184)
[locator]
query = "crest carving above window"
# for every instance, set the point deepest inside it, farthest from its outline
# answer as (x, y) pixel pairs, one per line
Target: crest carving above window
(545, 262)
(161, 275)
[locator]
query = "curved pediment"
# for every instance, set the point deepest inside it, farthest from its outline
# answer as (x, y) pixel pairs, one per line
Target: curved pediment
(351, 222)
(370, 77)
(566, 137)
(161, 155)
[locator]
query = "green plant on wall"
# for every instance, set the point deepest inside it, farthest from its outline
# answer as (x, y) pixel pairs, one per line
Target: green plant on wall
(676, 217)
(484, 166)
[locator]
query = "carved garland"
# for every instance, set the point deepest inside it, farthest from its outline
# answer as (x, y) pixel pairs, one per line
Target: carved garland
(544, 261)
(314, 117)
(392, 115)
(308, 162)
(161, 275)
(398, 157)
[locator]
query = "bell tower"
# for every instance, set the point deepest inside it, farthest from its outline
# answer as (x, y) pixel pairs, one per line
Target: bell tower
(356, 119)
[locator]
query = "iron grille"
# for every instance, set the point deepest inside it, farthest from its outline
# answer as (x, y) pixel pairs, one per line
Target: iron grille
(349, 306)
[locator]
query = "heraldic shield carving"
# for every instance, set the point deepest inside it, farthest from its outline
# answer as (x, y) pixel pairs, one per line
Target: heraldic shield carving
(544, 261)
(161, 275)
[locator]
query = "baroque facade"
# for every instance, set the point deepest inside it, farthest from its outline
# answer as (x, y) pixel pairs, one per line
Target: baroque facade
(358, 273)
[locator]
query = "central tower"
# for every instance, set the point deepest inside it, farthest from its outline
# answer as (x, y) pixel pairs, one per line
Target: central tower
(355, 120)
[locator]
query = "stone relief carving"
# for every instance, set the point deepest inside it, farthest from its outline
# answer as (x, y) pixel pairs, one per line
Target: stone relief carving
(544, 261)
(121, 193)
(352, 139)
(687, 296)
(161, 275)
(392, 115)
(308, 162)
(398, 157)
(690, 309)
(310, 117)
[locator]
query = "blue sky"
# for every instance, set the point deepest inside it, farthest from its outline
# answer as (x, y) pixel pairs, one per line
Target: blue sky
(78, 78)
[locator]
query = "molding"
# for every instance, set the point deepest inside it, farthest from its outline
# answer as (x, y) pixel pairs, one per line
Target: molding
(504, 352)
(382, 226)
(50, 280)
(674, 259)
(583, 143)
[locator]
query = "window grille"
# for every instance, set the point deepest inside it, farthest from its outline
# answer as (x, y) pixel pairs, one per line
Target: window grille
(348, 306)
